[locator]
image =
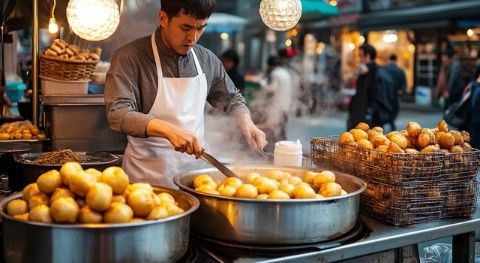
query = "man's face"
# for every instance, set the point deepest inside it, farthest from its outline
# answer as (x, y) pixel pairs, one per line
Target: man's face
(181, 32)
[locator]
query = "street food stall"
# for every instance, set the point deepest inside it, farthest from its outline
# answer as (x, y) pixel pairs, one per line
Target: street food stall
(359, 194)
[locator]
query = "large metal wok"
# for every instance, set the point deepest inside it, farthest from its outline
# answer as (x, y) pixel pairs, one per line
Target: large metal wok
(164, 240)
(273, 222)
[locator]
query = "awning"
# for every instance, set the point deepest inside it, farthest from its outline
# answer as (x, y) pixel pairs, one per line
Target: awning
(222, 22)
(419, 15)
(314, 10)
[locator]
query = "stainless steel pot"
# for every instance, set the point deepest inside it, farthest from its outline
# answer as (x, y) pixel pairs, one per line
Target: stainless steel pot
(163, 240)
(273, 222)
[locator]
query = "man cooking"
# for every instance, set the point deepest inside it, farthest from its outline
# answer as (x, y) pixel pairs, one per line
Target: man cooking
(156, 90)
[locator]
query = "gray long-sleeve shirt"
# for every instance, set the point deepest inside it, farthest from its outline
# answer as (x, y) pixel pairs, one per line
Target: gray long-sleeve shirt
(131, 83)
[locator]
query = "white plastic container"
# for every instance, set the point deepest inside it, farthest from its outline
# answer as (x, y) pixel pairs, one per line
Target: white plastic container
(52, 86)
(288, 153)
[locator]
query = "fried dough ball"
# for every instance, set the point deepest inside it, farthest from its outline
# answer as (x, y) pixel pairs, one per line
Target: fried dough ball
(118, 213)
(442, 126)
(413, 129)
(359, 134)
(394, 148)
(309, 176)
(456, 149)
(23, 217)
(64, 210)
(80, 182)
(411, 151)
(246, 191)
(265, 185)
(423, 140)
(116, 178)
(287, 188)
(262, 196)
(201, 180)
(372, 133)
(303, 191)
(232, 181)
(89, 216)
(29, 191)
(40, 214)
(344, 192)
(346, 138)
(278, 194)
(378, 129)
(96, 173)
(466, 147)
(207, 189)
(135, 186)
(330, 189)
(68, 169)
(39, 199)
(227, 190)
(49, 181)
(458, 137)
(61, 192)
(158, 212)
(383, 148)
(466, 136)
(430, 149)
(276, 175)
(380, 139)
(365, 144)
(295, 180)
(323, 178)
(446, 141)
(141, 201)
(400, 140)
(119, 199)
(166, 198)
(17, 207)
(99, 196)
(173, 209)
(251, 176)
(362, 126)
(136, 220)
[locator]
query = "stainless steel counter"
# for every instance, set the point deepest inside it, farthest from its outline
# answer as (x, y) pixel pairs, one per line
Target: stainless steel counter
(385, 237)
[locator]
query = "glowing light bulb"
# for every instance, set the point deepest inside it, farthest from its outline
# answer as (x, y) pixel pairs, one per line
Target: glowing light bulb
(470, 32)
(52, 25)
(93, 20)
(280, 15)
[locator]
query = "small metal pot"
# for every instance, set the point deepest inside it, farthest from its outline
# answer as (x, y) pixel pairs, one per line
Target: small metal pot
(273, 222)
(164, 240)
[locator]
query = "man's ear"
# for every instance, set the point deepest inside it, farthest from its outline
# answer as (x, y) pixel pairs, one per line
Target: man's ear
(163, 18)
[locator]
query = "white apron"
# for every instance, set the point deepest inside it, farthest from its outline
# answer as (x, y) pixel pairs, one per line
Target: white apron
(179, 101)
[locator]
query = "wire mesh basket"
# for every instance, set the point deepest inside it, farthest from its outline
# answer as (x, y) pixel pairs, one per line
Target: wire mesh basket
(373, 165)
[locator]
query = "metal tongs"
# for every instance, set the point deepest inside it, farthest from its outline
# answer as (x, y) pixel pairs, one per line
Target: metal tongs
(222, 168)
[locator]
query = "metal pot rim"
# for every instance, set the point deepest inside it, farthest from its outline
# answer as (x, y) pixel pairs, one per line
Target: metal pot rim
(194, 204)
(22, 158)
(177, 179)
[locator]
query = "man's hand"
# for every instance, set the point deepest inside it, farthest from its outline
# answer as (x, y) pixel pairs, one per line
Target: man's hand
(254, 136)
(182, 140)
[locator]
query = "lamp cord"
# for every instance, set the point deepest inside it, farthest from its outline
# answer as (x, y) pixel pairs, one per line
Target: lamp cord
(53, 7)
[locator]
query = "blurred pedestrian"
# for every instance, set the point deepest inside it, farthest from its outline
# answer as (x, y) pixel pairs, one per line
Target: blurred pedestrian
(271, 107)
(5, 103)
(400, 86)
(473, 119)
(287, 61)
(230, 60)
(451, 83)
(374, 96)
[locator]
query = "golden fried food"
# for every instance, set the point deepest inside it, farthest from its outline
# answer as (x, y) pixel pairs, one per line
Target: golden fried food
(29, 191)
(38, 199)
(158, 212)
(116, 178)
(394, 148)
(423, 140)
(265, 185)
(446, 141)
(287, 188)
(411, 151)
(466, 147)
(232, 181)
(309, 176)
(118, 213)
(49, 181)
(330, 189)
(442, 126)
(456, 149)
(64, 210)
(276, 175)
(378, 129)
(365, 144)
(227, 190)
(400, 140)
(466, 136)
(68, 169)
(380, 139)
(89, 216)
(40, 214)
(141, 201)
(359, 134)
(278, 194)
(23, 217)
(458, 137)
(207, 189)
(346, 138)
(80, 182)
(303, 191)
(262, 196)
(371, 133)
(166, 198)
(362, 126)
(413, 129)
(99, 196)
(61, 192)
(430, 149)
(17, 207)
(246, 191)
(383, 148)
(323, 178)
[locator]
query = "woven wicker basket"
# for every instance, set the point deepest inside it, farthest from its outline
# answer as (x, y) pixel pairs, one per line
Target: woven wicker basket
(66, 69)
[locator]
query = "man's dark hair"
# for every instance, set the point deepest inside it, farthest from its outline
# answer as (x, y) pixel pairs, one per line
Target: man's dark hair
(273, 61)
(449, 50)
(199, 9)
(393, 57)
(369, 50)
(231, 55)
